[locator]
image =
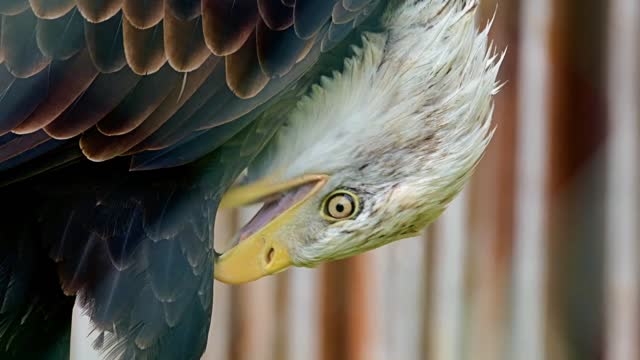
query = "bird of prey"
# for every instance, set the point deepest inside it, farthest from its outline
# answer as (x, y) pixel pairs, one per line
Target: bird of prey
(126, 124)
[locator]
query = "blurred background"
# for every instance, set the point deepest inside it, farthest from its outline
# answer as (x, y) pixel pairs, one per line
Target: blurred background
(538, 259)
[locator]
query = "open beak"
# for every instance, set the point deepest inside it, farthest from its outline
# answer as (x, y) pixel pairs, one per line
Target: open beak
(261, 250)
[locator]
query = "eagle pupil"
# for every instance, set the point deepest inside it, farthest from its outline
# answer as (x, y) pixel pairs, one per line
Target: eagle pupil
(340, 207)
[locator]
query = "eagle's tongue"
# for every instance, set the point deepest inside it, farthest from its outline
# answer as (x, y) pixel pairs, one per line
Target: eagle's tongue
(272, 208)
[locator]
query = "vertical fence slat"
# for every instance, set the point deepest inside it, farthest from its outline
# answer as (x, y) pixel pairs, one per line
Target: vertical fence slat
(449, 289)
(367, 295)
(402, 286)
(258, 315)
(531, 176)
(395, 294)
(303, 325)
(623, 210)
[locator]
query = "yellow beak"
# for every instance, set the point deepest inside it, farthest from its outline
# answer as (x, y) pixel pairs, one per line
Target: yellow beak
(264, 252)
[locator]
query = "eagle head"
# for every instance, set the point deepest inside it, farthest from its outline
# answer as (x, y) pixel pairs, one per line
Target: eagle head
(376, 151)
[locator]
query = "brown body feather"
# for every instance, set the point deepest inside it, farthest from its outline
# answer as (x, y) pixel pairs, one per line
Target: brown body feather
(104, 94)
(69, 79)
(22, 56)
(99, 147)
(144, 48)
(184, 42)
(143, 14)
(61, 38)
(13, 7)
(51, 9)
(228, 24)
(275, 14)
(97, 11)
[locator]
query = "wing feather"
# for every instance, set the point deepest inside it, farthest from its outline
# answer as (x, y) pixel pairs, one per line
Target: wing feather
(21, 144)
(1, 49)
(34, 314)
(20, 99)
(61, 38)
(145, 312)
(227, 25)
(184, 10)
(244, 75)
(96, 145)
(143, 14)
(101, 98)
(341, 15)
(97, 11)
(214, 117)
(105, 44)
(13, 7)
(32, 153)
(194, 147)
(278, 51)
(148, 94)
(310, 16)
(19, 45)
(144, 49)
(261, 40)
(166, 135)
(68, 80)
(51, 9)
(355, 5)
(275, 14)
(6, 79)
(336, 33)
(184, 42)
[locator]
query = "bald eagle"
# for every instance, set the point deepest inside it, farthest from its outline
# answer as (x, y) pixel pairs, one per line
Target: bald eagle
(126, 124)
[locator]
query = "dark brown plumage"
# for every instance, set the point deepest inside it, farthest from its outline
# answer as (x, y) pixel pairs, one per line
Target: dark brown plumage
(102, 97)
(260, 40)
(143, 14)
(184, 42)
(340, 15)
(13, 7)
(143, 35)
(144, 48)
(61, 38)
(51, 9)
(67, 80)
(97, 11)
(276, 15)
(228, 24)
(22, 57)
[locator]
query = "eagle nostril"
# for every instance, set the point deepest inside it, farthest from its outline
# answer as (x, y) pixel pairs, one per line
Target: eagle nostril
(269, 255)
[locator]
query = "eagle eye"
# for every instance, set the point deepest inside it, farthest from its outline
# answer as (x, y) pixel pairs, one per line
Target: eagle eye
(340, 205)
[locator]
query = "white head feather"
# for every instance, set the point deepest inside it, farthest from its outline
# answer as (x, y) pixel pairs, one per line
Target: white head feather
(403, 126)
